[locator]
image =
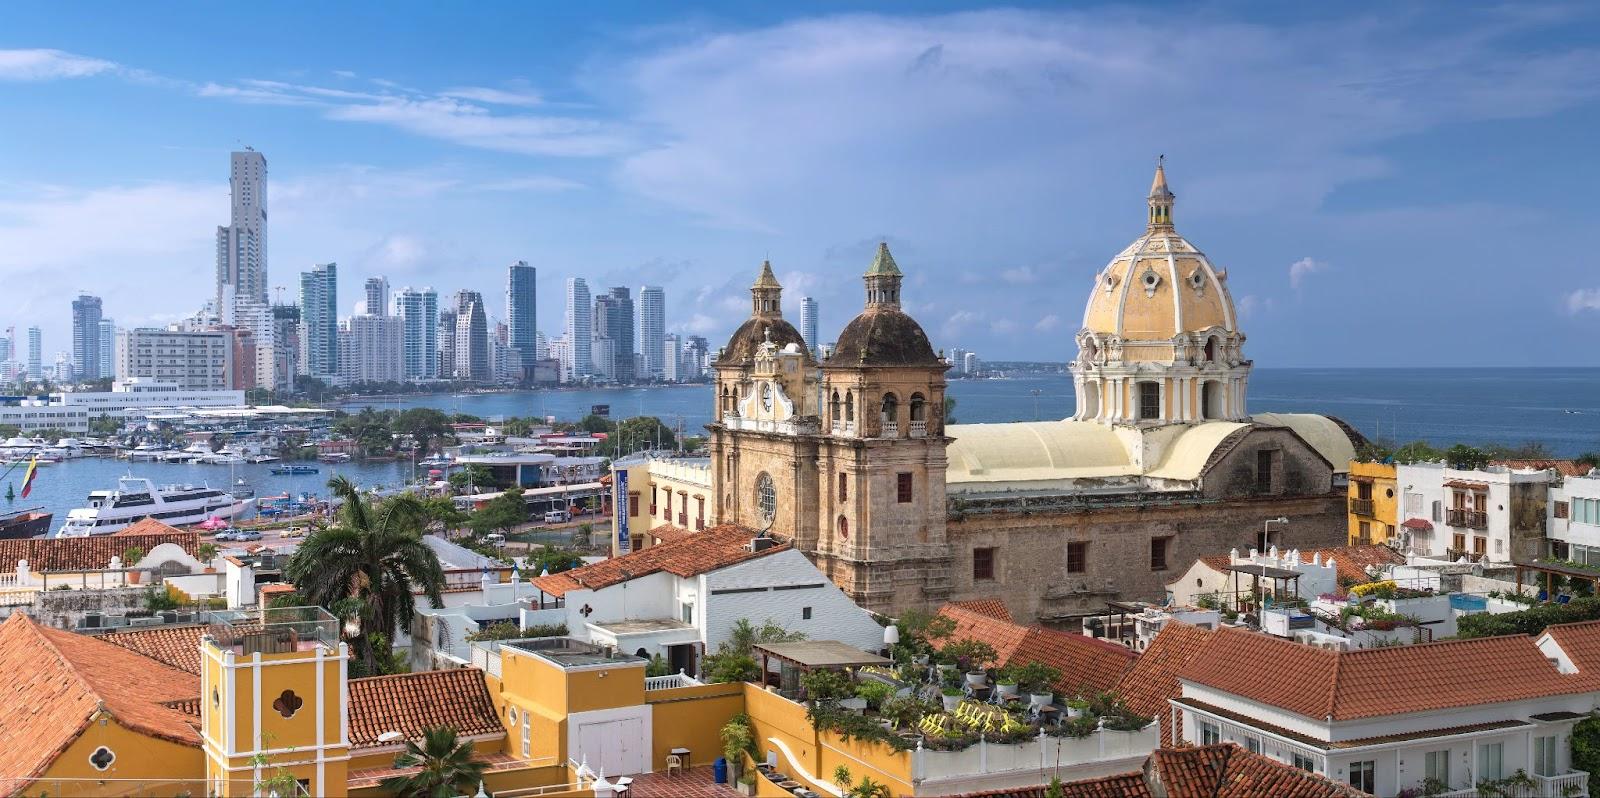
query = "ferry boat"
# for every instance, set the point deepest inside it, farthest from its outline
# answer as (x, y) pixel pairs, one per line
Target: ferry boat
(294, 469)
(136, 498)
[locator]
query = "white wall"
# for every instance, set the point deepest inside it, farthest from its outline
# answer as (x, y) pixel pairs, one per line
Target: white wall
(833, 615)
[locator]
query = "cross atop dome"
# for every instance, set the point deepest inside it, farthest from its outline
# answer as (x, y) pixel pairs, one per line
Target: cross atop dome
(1160, 199)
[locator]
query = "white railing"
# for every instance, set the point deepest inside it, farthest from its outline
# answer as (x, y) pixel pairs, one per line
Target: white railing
(679, 679)
(890, 430)
(844, 427)
(919, 429)
(1571, 784)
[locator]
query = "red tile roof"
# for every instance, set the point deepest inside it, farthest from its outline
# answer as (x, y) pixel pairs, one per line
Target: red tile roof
(992, 607)
(145, 526)
(1567, 468)
(1085, 663)
(1121, 785)
(57, 681)
(493, 761)
(85, 554)
(1581, 641)
(178, 646)
(409, 703)
(1228, 771)
(717, 547)
(1345, 685)
(1153, 679)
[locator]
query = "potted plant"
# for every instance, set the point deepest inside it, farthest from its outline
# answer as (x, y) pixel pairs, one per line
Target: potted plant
(737, 740)
(1038, 681)
(951, 697)
(1007, 685)
(746, 785)
(873, 693)
(972, 656)
(1077, 707)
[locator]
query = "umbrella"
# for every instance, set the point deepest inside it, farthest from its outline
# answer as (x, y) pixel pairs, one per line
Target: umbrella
(213, 523)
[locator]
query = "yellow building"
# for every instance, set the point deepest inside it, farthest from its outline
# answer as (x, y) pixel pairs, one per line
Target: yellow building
(1373, 507)
(666, 496)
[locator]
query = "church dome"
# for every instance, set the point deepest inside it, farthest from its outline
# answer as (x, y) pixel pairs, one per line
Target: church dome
(883, 335)
(1159, 289)
(766, 322)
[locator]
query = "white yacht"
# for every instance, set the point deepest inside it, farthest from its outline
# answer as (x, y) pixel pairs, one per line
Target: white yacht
(136, 498)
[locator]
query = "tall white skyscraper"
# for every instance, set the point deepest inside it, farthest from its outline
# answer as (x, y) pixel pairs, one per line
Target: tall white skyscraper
(35, 353)
(319, 321)
(108, 345)
(808, 323)
(242, 244)
(671, 355)
(522, 315)
(419, 315)
(652, 330)
(579, 328)
(377, 301)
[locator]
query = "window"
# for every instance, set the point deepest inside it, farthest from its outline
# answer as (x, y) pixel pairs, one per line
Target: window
(1438, 510)
(1561, 509)
(1077, 558)
(902, 488)
(1253, 745)
(844, 487)
(844, 527)
(1544, 755)
(633, 503)
(527, 734)
(919, 408)
(1304, 762)
(1364, 775)
(1210, 733)
(1158, 553)
(655, 493)
(686, 612)
(766, 497)
(1458, 541)
(1436, 765)
(1480, 546)
(1265, 460)
(983, 563)
(891, 410)
(805, 613)
(1364, 491)
(1149, 400)
(1491, 761)
(1366, 533)
(666, 507)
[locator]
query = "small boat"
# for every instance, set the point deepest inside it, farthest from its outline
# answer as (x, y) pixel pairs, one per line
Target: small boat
(242, 489)
(295, 469)
(29, 523)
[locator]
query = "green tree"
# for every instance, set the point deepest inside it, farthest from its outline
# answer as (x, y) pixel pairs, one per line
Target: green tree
(1417, 452)
(500, 513)
(949, 409)
(1466, 458)
(593, 423)
(733, 661)
(426, 427)
(1586, 750)
(554, 560)
(9, 430)
(447, 767)
(441, 511)
(642, 432)
(374, 555)
(104, 425)
(471, 475)
(1590, 459)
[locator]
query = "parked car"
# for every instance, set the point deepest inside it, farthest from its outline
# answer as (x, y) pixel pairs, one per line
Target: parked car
(557, 517)
(244, 535)
(226, 535)
(293, 532)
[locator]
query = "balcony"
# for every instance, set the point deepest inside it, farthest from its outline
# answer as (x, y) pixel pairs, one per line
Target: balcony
(1462, 517)
(890, 430)
(1573, 783)
(919, 429)
(679, 679)
(1362, 507)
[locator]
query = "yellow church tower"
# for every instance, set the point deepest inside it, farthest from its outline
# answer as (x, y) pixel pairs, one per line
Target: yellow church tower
(273, 692)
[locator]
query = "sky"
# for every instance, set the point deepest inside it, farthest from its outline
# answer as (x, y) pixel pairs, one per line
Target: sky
(1398, 185)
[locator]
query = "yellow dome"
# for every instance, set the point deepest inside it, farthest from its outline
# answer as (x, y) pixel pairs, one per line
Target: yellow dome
(1157, 289)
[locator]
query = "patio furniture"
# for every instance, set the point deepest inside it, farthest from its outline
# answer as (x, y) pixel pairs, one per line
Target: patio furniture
(674, 765)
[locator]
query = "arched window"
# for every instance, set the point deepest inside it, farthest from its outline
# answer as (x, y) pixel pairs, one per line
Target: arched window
(891, 409)
(1211, 349)
(844, 487)
(919, 408)
(844, 527)
(833, 407)
(1091, 400)
(1211, 402)
(849, 407)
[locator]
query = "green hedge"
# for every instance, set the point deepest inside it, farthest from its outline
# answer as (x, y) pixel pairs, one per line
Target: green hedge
(1530, 621)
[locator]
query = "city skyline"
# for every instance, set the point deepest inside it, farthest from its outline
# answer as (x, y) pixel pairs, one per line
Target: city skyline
(1301, 172)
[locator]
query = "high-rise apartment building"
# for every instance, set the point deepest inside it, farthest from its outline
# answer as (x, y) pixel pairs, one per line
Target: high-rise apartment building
(371, 348)
(652, 330)
(579, 330)
(613, 321)
(696, 358)
(808, 323)
(319, 320)
(418, 310)
(191, 360)
(471, 334)
(522, 317)
(958, 362)
(242, 245)
(286, 346)
(377, 299)
(671, 357)
(256, 321)
(86, 337)
(35, 353)
(108, 348)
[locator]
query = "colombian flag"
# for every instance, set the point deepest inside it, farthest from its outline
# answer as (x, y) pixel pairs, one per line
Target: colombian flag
(27, 479)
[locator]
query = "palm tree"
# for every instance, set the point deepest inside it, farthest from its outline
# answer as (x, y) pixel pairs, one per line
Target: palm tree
(447, 767)
(371, 554)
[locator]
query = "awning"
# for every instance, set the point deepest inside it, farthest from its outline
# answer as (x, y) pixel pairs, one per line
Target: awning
(1462, 484)
(1421, 524)
(819, 654)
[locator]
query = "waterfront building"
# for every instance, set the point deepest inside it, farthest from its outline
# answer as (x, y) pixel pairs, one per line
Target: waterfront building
(696, 358)
(31, 415)
(808, 323)
(970, 365)
(418, 310)
(319, 321)
(1374, 503)
(1573, 519)
(377, 296)
(86, 311)
(671, 357)
(614, 320)
(651, 333)
(242, 244)
(470, 345)
(604, 351)
(522, 313)
(541, 346)
(579, 330)
(1159, 464)
(107, 348)
(35, 354)
(137, 394)
(256, 338)
(371, 349)
(561, 352)
(1494, 514)
(192, 361)
(958, 362)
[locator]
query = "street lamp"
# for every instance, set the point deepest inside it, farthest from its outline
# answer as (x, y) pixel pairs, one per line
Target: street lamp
(1266, 529)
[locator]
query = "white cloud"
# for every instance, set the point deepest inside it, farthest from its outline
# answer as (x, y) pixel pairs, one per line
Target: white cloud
(1048, 323)
(1583, 299)
(1303, 268)
(36, 65)
(1004, 327)
(520, 97)
(532, 183)
(959, 322)
(1021, 275)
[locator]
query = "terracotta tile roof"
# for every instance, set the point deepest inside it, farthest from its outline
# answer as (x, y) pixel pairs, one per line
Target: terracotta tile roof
(145, 526)
(1345, 685)
(1254, 721)
(1085, 663)
(1581, 641)
(1228, 771)
(667, 533)
(84, 554)
(1153, 679)
(1566, 468)
(412, 702)
(56, 681)
(1121, 785)
(494, 761)
(1351, 561)
(717, 547)
(178, 646)
(992, 607)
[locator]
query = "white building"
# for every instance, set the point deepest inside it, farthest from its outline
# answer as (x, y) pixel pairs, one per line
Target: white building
(242, 244)
(682, 598)
(1383, 720)
(1574, 518)
(579, 331)
(136, 395)
(249, 313)
(190, 360)
(1493, 514)
(108, 348)
(671, 354)
(35, 353)
(377, 296)
(418, 310)
(371, 349)
(32, 415)
(652, 332)
(808, 323)
(561, 352)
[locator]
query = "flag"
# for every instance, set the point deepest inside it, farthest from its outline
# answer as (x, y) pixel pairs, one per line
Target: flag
(27, 479)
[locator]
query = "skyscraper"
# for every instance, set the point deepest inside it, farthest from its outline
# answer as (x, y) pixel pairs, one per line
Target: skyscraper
(108, 339)
(419, 317)
(522, 316)
(86, 337)
(242, 245)
(377, 303)
(651, 331)
(613, 321)
(808, 323)
(286, 363)
(319, 320)
(471, 338)
(579, 328)
(671, 357)
(35, 353)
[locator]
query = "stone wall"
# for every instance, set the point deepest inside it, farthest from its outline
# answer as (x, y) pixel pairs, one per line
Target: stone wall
(63, 609)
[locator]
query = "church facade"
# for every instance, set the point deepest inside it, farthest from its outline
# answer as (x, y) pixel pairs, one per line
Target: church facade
(851, 459)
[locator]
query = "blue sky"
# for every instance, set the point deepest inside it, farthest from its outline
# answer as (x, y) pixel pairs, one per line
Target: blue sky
(1389, 185)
